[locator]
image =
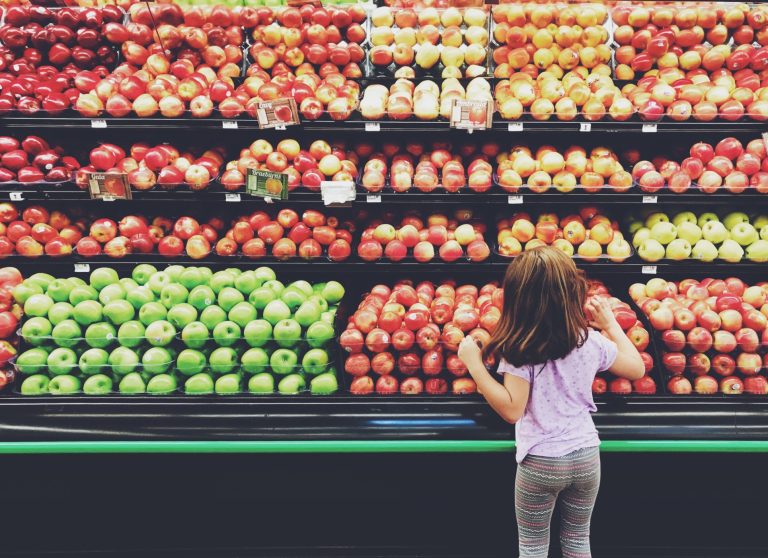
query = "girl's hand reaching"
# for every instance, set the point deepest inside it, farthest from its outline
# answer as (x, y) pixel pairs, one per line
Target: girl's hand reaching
(601, 314)
(470, 353)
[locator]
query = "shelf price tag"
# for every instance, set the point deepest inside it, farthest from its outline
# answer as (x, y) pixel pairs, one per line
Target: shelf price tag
(515, 127)
(109, 186)
(266, 184)
(372, 127)
(98, 123)
(337, 192)
(16, 196)
(514, 200)
(82, 268)
(650, 128)
(650, 199)
(471, 115)
(232, 198)
(229, 124)
(373, 198)
(585, 126)
(648, 270)
(277, 114)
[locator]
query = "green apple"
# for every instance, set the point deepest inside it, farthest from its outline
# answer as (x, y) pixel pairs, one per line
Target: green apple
(227, 333)
(161, 384)
(23, 291)
(206, 273)
(98, 384)
(93, 361)
(261, 384)
(228, 297)
(760, 221)
(654, 218)
(291, 384)
(131, 334)
(77, 281)
(42, 280)
(191, 277)
(112, 292)
(303, 286)
(705, 218)
(640, 236)
(261, 297)
(80, 293)
(265, 274)
(36, 331)
(64, 385)
(689, 231)
(287, 333)
(212, 316)
(102, 277)
(32, 361)
(139, 296)
(743, 233)
(764, 233)
(38, 305)
(195, 335)
(651, 250)
(254, 361)
(123, 361)
(275, 311)
(61, 361)
(156, 360)
(220, 280)
(320, 301)
(315, 361)
(87, 312)
(100, 335)
(275, 286)
(174, 272)
(247, 282)
(234, 271)
(132, 384)
(704, 250)
(333, 292)
(152, 312)
(324, 384)
(128, 284)
(635, 226)
(714, 231)
(293, 297)
(35, 385)
(181, 315)
(317, 288)
(733, 219)
(730, 251)
(190, 362)
(758, 251)
(684, 217)
(258, 333)
(199, 384)
(59, 290)
(223, 360)
(67, 333)
(283, 361)
(307, 314)
(319, 333)
(242, 313)
(158, 281)
(329, 316)
(201, 297)
(118, 311)
(678, 249)
(142, 273)
(173, 294)
(160, 333)
(664, 232)
(228, 384)
(59, 312)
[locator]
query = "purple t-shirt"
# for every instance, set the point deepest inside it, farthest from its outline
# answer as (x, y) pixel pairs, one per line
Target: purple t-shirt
(557, 419)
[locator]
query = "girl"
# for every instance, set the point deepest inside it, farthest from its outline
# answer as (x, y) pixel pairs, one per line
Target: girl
(549, 357)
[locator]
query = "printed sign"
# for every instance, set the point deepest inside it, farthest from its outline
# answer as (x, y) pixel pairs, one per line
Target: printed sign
(109, 186)
(266, 184)
(278, 113)
(471, 115)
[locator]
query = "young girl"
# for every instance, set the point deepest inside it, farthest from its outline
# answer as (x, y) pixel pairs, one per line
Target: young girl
(548, 357)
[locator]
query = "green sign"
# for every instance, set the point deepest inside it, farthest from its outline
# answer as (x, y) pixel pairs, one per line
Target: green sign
(266, 184)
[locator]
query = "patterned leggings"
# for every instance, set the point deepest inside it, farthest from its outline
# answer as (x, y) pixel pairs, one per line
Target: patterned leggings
(575, 478)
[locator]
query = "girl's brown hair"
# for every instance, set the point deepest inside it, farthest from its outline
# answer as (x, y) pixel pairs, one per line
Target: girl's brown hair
(543, 316)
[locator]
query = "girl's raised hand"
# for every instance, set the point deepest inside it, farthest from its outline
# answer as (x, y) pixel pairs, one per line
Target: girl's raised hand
(469, 352)
(601, 313)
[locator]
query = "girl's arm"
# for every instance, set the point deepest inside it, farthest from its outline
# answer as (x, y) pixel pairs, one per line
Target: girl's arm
(508, 400)
(628, 363)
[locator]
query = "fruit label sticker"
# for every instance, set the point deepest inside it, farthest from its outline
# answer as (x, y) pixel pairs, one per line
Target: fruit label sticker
(278, 113)
(337, 192)
(109, 186)
(471, 115)
(266, 184)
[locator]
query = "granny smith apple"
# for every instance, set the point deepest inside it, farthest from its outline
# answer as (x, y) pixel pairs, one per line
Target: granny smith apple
(38, 305)
(112, 292)
(293, 297)
(265, 273)
(319, 333)
(228, 297)
(67, 333)
(227, 333)
(275, 286)
(100, 335)
(258, 333)
(254, 361)
(161, 384)
(139, 296)
(42, 280)
(320, 301)
(329, 316)
(36, 331)
(131, 334)
(80, 293)
(283, 361)
(261, 297)
(235, 271)
(174, 272)
(173, 294)
(156, 360)
(102, 277)
(303, 286)
(201, 297)
(247, 282)
(317, 288)
(77, 281)
(199, 384)
(181, 315)
(123, 361)
(132, 384)
(98, 384)
(206, 273)
(223, 360)
(275, 311)
(128, 284)
(220, 280)
(64, 385)
(142, 272)
(35, 385)
(190, 362)
(242, 313)
(152, 312)
(291, 384)
(212, 315)
(62, 360)
(191, 277)
(32, 361)
(287, 333)
(315, 361)
(195, 335)
(158, 281)
(324, 384)
(333, 292)
(228, 384)
(308, 313)
(59, 290)
(118, 311)
(23, 291)
(59, 312)
(93, 361)
(261, 384)
(160, 333)
(87, 312)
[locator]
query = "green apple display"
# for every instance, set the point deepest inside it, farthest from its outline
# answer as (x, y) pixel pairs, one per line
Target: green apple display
(98, 384)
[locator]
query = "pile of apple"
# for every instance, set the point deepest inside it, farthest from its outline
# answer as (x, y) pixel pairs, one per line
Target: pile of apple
(304, 167)
(450, 239)
(426, 100)
(36, 231)
(157, 332)
(453, 39)
(728, 166)
(567, 171)
(549, 38)
(148, 166)
(706, 237)
(588, 235)
(637, 334)
(713, 333)
(408, 337)
(10, 314)
(33, 160)
(323, 39)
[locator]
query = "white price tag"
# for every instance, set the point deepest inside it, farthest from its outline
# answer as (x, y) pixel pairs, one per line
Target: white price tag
(373, 198)
(98, 123)
(229, 124)
(267, 199)
(650, 199)
(232, 197)
(279, 126)
(16, 196)
(650, 128)
(515, 127)
(514, 200)
(585, 126)
(337, 191)
(107, 198)
(82, 268)
(648, 270)
(372, 127)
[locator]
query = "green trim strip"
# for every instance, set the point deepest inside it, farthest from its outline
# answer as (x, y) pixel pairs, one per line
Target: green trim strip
(363, 446)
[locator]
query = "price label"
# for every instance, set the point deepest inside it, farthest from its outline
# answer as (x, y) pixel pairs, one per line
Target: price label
(109, 186)
(514, 200)
(515, 127)
(232, 198)
(471, 115)
(277, 114)
(650, 128)
(279, 126)
(266, 184)
(650, 199)
(107, 198)
(373, 198)
(648, 270)
(82, 268)
(372, 127)
(267, 199)
(98, 123)
(229, 124)
(337, 192)
(585, 126)
(16, 196)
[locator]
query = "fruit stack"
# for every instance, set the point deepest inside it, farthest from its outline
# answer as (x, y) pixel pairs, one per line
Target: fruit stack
(587, 235)
(33, 160)
(408, 337)
(36, 231)
(157, 331)
(10, 313)
(705, 237)
(713, 333)
(636, 332)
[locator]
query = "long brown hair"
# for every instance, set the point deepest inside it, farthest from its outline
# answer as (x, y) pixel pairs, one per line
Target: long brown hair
(543, 316)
